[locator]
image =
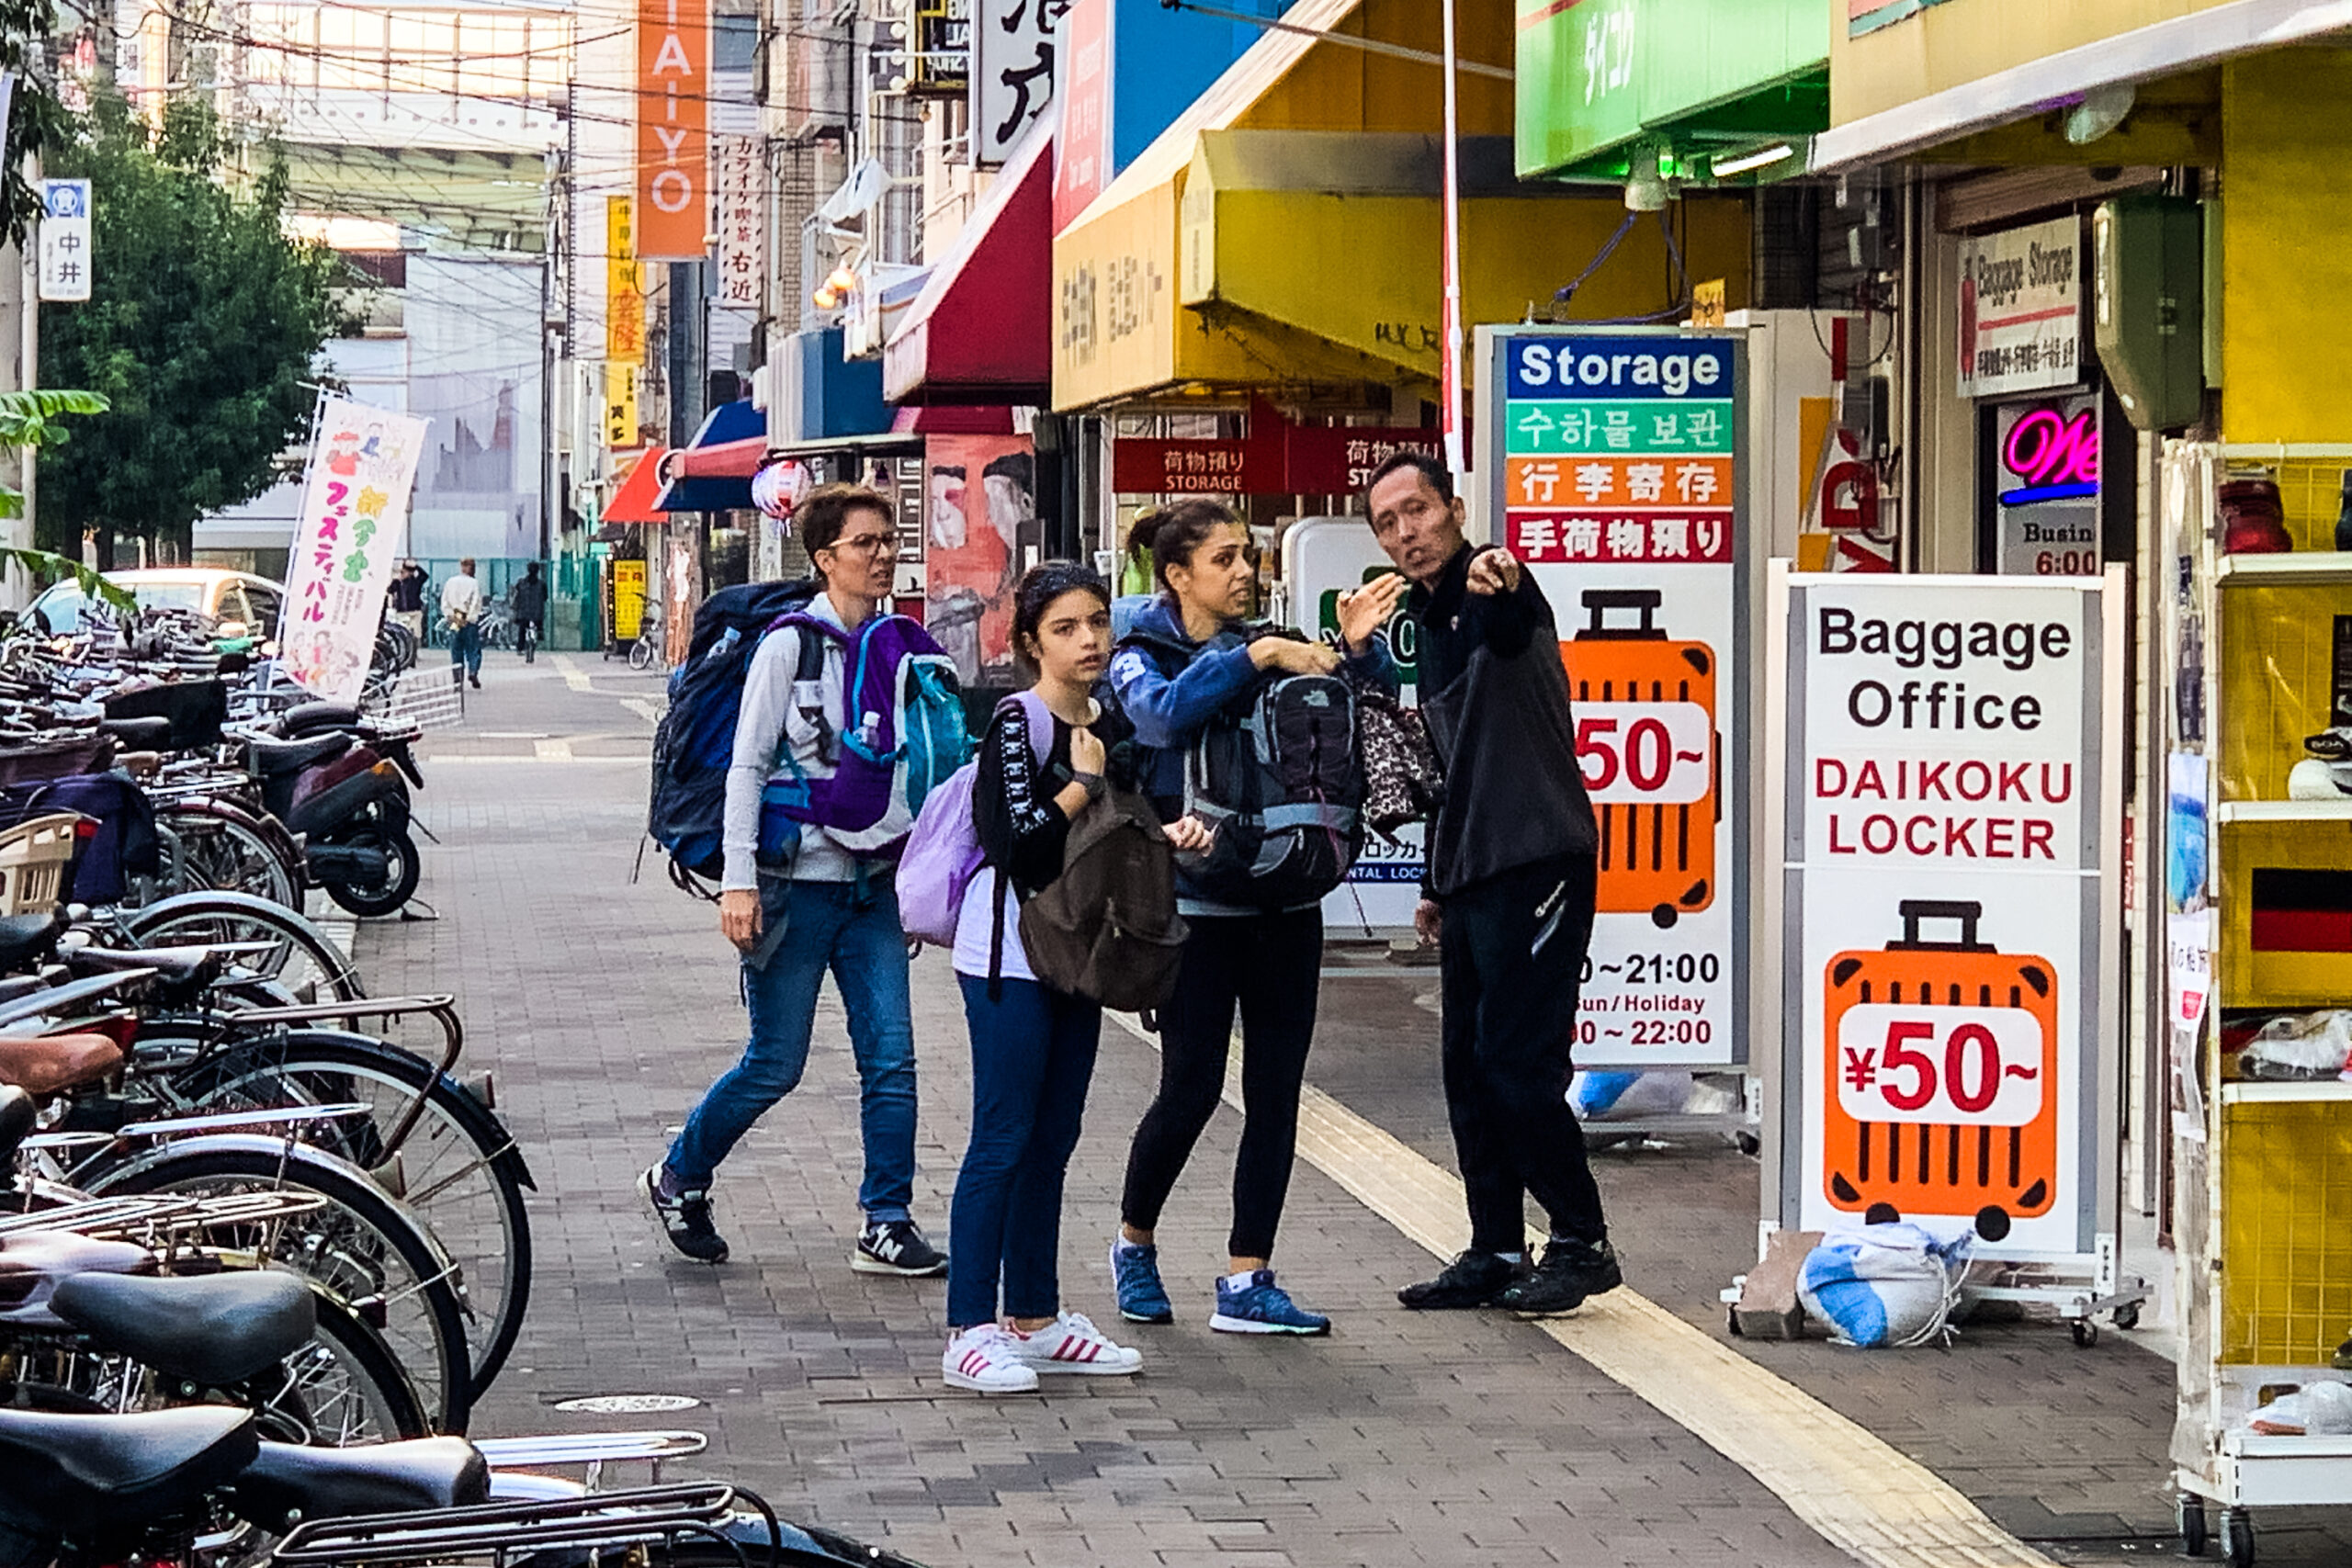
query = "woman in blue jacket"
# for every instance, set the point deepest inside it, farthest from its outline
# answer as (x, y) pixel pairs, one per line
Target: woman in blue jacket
(1188, 659)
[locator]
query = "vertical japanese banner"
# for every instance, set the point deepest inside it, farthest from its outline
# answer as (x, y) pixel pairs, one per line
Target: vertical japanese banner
(624, 286)
(1952, 804)
(65, 240)
(673, 122)
(621, 424)
(1013, 71)
(355, 512)
(740, 185)
(1612, 468)
(1082, 152)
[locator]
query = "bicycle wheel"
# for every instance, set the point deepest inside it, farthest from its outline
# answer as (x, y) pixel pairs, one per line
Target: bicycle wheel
(362, 1245)
(300, 957)
(345, 1388)
(459, 1169)
(641, 654)
(209, 845)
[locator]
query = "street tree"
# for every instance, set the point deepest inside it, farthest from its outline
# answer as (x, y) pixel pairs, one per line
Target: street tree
(203, 332)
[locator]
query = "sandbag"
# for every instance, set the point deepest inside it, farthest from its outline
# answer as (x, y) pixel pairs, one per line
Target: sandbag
(1885, 1285)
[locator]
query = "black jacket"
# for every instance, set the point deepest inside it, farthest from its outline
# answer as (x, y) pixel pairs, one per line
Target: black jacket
(529, 598)
(1496, 700)
(1022, 830)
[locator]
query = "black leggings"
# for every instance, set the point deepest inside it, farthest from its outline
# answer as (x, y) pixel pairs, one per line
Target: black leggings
(1268, 965)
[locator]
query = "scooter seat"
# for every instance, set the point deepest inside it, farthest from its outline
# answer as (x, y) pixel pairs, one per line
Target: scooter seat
(45, 1063)
(213, 1329)
(312, 718)
(87, 1478)
(285, 1483)
(272, 758)
(140, 734)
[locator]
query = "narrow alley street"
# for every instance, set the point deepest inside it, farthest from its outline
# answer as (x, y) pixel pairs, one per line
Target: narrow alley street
(604, 1005)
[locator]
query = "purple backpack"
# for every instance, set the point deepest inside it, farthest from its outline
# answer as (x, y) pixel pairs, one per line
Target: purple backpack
(943, 852)
(900, 736)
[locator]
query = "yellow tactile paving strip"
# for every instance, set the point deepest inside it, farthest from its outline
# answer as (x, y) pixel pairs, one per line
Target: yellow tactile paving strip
(1862, 1495)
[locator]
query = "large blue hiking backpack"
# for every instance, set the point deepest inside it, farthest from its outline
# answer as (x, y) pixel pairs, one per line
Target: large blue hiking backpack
(695, 740)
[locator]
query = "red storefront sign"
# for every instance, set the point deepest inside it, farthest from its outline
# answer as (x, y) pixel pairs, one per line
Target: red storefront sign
(1332, 460)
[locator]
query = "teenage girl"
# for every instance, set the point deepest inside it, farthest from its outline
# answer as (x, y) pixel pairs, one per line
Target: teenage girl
(1187, 660)
(1032, 1047)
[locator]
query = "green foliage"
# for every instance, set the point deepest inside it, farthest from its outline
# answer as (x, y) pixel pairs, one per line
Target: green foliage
(204, 324)
(31, 419)
(36, 120)
(46, 567)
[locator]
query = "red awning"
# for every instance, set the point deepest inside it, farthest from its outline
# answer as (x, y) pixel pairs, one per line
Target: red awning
(633, 501)
(981, 331)
(953, 419)
(727, 460)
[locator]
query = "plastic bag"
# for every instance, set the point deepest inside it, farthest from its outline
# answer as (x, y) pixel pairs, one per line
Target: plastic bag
(2300, 1045)
(1593, 1095)
(1885, 1285)
(2316, 1408)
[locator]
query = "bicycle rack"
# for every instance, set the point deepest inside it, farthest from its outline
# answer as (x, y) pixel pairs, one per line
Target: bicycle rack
(442, 1009)
(664, 1515)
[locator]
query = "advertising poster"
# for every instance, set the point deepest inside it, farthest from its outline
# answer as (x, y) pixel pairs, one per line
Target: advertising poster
(2021, 310)
(979, 507)
(1617, 479)
(354, 512)
(1946, 871)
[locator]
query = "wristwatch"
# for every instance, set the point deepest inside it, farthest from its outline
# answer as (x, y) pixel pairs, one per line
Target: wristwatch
(1093, 783)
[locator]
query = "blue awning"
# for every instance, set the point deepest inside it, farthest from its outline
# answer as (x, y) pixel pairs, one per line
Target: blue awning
(727, 424)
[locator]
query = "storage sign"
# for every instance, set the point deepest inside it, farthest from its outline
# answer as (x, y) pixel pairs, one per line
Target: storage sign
(1947, 889)
(2021, 310)
(1613, 471)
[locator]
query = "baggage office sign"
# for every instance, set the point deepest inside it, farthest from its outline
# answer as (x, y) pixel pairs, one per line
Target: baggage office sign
(1613, 469)
(1947, 842)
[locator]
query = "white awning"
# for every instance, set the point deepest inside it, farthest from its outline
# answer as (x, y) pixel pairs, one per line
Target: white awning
(2164, 49)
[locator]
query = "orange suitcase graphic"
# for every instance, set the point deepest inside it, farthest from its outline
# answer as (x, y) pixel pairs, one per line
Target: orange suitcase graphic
(1941, 1075)
(1645, 733)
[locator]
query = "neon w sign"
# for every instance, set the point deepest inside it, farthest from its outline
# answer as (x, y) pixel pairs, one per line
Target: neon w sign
(2052, 456)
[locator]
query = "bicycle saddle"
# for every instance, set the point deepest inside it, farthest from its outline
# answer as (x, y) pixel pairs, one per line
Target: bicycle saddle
(213, 1329)
(46, 1064)
(91, 1477)
(18, 1115)
(27, 939)
(187, 965)
(285, 1483)
(275, 757)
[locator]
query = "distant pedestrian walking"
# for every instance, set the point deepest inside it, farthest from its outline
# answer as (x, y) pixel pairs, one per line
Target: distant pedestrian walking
(1507, 897)
(819, 909)
(461, 605)
(527, 601)
(406, 598)
(1189, 661)
(1044, 759)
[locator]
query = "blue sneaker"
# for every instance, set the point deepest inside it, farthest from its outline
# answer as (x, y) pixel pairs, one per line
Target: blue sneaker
(1262, 1307)
(1142, 1298)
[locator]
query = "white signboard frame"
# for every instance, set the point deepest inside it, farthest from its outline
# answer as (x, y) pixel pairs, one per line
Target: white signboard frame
(1901, 876)
(2020, 302)
(66, 240)
(353, 526)
(1627, 449)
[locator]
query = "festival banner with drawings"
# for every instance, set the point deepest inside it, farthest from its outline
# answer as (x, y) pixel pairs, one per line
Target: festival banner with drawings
(1953, 753)
(354, 512)
(1613, 469)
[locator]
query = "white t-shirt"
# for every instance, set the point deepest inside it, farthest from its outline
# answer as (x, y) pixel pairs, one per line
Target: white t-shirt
(971, 956)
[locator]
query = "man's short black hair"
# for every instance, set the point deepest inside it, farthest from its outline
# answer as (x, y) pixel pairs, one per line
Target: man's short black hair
(1429, 467)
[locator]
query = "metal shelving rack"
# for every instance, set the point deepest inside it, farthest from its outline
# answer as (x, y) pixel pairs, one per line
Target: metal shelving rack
(2264, 1252)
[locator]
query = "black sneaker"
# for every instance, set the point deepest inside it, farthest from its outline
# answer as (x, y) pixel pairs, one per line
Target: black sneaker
(1571, 1271)
(686, 1218)
(896, 1246)
(1473, 1280)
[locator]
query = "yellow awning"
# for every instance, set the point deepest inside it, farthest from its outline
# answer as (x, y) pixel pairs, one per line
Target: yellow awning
(1285, 231)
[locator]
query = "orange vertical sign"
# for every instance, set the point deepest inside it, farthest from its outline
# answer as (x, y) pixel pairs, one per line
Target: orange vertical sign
(673, 118)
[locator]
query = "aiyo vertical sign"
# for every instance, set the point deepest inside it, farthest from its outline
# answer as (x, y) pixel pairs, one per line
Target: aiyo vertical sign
(1612, 468)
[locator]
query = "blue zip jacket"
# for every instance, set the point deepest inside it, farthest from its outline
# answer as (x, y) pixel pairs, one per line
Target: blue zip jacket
(1168, 712)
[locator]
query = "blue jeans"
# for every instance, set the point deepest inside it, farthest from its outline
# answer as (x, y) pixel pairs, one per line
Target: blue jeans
(464, 648)
(1032, 1057)
(828, 925)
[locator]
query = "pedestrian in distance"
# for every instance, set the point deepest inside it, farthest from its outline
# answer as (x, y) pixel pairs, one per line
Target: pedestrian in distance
(527, 600)
(1508, 899)
(406, 597)
(1189, 660)
(461, 603)
(823, 909)
(1033, 1046)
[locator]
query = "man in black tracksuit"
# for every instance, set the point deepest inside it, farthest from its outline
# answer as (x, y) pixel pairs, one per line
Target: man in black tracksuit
(1507, 897)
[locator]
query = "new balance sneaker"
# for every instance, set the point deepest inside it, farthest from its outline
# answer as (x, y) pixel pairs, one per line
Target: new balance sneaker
(1571, 1272)
(1262, 1307)
(686, 1218)
(1142, 1298)
(987, 1360)
(1473, 1280)
(896, 1246)
(1072, 1344)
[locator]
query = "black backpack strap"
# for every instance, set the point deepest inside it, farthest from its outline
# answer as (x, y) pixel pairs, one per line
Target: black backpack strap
(996, 940)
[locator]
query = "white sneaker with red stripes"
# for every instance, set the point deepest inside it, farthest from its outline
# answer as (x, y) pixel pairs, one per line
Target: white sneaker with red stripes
(1072, 1344)
(986, 1359)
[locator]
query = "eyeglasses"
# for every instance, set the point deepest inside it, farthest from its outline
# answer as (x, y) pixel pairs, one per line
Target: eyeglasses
(869, 543)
